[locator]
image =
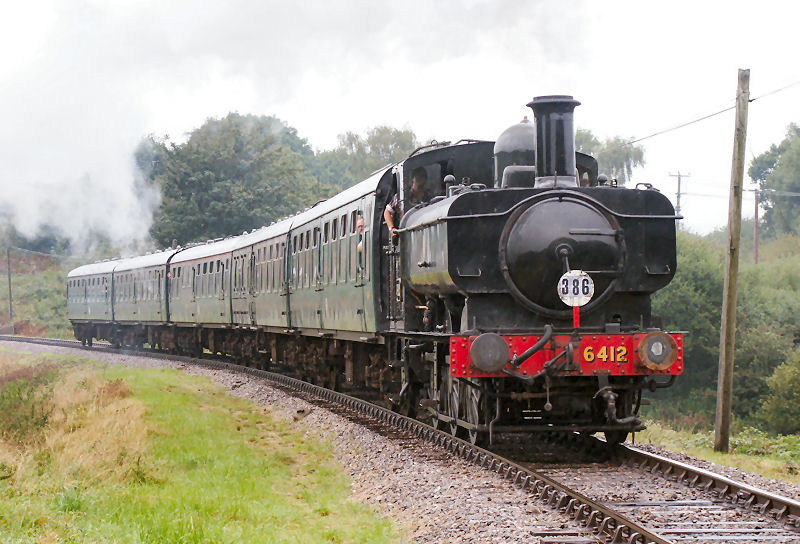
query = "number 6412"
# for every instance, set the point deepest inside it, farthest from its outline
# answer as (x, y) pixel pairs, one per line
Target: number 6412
(612, 354)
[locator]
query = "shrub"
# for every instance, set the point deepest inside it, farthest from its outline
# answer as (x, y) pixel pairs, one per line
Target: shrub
(778, 411)
(26, 401)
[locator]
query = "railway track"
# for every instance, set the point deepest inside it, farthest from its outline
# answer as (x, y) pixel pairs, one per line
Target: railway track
(707, 519)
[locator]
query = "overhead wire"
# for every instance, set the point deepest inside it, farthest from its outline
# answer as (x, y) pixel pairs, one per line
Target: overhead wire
(704, 117)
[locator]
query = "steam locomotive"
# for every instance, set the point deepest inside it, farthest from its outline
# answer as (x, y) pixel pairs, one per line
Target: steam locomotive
(513, 297)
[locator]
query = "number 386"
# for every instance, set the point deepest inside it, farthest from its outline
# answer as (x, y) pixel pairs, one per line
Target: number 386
(575, 287)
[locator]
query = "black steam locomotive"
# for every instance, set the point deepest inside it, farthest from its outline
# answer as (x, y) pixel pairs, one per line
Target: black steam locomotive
(513, 297)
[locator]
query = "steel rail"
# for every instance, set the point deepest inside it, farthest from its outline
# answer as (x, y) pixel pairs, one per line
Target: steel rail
(595, 517)
(736, 493)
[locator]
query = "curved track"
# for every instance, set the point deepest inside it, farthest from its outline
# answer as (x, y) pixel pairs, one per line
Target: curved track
(604, 520)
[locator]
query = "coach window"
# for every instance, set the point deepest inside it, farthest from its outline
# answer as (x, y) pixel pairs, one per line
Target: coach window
(344, 224)
(334, 229)
(353, 222)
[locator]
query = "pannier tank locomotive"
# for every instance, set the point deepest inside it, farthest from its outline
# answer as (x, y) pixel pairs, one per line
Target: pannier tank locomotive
(513, 296)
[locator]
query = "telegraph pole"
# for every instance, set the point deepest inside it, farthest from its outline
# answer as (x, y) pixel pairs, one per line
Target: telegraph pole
(722, 423)
(678, 202)
(8, 270)
(755, 228)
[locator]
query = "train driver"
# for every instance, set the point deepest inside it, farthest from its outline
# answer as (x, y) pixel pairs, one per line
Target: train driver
(419, 177)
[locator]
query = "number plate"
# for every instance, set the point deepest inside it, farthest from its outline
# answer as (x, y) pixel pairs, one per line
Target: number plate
(575, 288)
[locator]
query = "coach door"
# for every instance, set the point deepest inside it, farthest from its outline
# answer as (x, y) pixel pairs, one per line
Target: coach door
(221, 266)
(158, 296)
(286, 279)
(251, 285)
(318, 257)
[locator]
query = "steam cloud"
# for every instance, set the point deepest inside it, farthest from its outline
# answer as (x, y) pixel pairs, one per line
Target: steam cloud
(86, 81)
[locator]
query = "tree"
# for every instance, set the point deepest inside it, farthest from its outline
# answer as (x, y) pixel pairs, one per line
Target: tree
(231, 175)
(766, 326)
(357, 157)
(778, 169)
(777, 411)
(615, 157)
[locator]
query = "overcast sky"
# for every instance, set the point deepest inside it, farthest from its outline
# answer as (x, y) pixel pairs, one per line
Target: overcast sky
(82, 82)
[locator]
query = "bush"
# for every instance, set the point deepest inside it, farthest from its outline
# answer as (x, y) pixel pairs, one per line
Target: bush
(778, 412)
(26, 401)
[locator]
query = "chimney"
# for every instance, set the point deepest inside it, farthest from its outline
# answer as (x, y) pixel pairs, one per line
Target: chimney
(555, 140)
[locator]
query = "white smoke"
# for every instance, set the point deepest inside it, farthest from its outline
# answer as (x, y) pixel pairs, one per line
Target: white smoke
(81, 82)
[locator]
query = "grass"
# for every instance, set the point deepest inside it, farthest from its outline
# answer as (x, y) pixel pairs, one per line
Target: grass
(752, 450)
(39, 302)
(155, 456)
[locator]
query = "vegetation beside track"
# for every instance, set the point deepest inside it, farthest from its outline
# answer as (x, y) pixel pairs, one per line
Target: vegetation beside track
(752, 450)
(102, 454)
(39, 302)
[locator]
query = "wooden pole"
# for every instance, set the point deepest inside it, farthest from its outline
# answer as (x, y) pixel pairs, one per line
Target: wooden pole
(8, 270)
(728, 329)
(755, 229)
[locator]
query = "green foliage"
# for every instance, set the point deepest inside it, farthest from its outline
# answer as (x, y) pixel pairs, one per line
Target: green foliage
(778, 169)
(779, 410)
(25, 401)
(358, 156)
(615, 157)
(767, 327)
(231, 175)
(245, 171)
(69, 499)
(47, 241)
(40, 302)
(692, 302)
(751, 449)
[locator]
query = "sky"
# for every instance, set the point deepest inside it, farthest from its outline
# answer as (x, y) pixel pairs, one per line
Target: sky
(81, 82)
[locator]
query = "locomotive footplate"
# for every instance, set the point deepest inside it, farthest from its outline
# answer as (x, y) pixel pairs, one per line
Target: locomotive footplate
(620, 354)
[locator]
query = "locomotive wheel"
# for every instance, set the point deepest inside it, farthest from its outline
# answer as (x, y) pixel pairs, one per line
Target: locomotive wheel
(473, 415)
(441, 395)
(455, 406)
(408, 402)
(452, 404)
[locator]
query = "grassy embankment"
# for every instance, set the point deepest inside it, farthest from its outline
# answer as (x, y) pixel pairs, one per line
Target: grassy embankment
(750, 449)
(102, 454)
(40, 303)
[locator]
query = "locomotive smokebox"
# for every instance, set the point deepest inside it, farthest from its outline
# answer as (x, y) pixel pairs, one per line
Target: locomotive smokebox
(555, 140)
